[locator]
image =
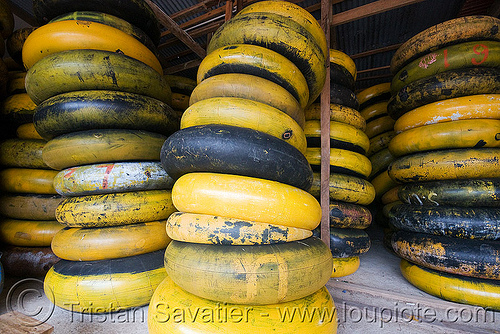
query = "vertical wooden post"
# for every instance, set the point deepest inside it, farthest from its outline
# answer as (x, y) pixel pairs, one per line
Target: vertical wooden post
(326, 9)
(229, 10)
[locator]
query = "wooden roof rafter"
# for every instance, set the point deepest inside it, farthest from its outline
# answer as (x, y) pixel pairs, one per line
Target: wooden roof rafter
(370, 9)
(183, 36)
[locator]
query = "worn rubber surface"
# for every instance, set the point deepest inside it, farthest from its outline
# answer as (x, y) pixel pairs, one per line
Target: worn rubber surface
(457, 222)
(455, 31)
(346, 188)
(104, 286)
(24, 153)
(229, 196)
(282, 35)
(103, 109)
(473, 258)
(18, 109)
(342, 69)
(467, 133)
(29, 206)
(461, 193)
(27, 261)
(347, 215)
(28, 181)
(459, 108)
(102, 146)
(110, 20)
(343, 96)
(474, 163)
(105, 243)
(246, 114)
(468, 54)
(345, 266)
(28, 233)
(258, 61)
(217, 230)
(59, 36)
(347, 242)
(169, 295)
(234, 150)
(115, 209)
(442, 86)
(256, 275)
(374, 94)
(341, 161)
(338, 113)
(455, 288)
(249, 87)
(342, 136)
(110, 177)
(63, 72)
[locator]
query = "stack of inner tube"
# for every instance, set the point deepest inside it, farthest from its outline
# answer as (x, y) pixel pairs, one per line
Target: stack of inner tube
(350, 191)
(380, 130)
(182, 88)
(105, 114)
(28, 198)
(446, 104)
(243, 235)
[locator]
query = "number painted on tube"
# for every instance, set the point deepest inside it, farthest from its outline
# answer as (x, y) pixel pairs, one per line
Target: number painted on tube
(445, 54)
(484, 52)
(108, 167)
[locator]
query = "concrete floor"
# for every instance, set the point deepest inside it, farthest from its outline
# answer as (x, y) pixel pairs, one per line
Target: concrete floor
(378, 299)
(375, 299)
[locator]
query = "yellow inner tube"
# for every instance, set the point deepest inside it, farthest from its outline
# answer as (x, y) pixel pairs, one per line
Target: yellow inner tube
(459, 289)
(246, 198)
(208, 229)
(103, 243)
(173, 310)
(76, 34)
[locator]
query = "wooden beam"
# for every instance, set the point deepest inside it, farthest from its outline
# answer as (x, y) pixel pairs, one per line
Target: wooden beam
(229, 11)
(199, 7)
(317, 6)
(22, 14)
(176, 30)
(198, 20)
(375, 51)
(374, 69)
(205, 17)
(370, 9)
(195, 33)
(182, 67)
(326, 8)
